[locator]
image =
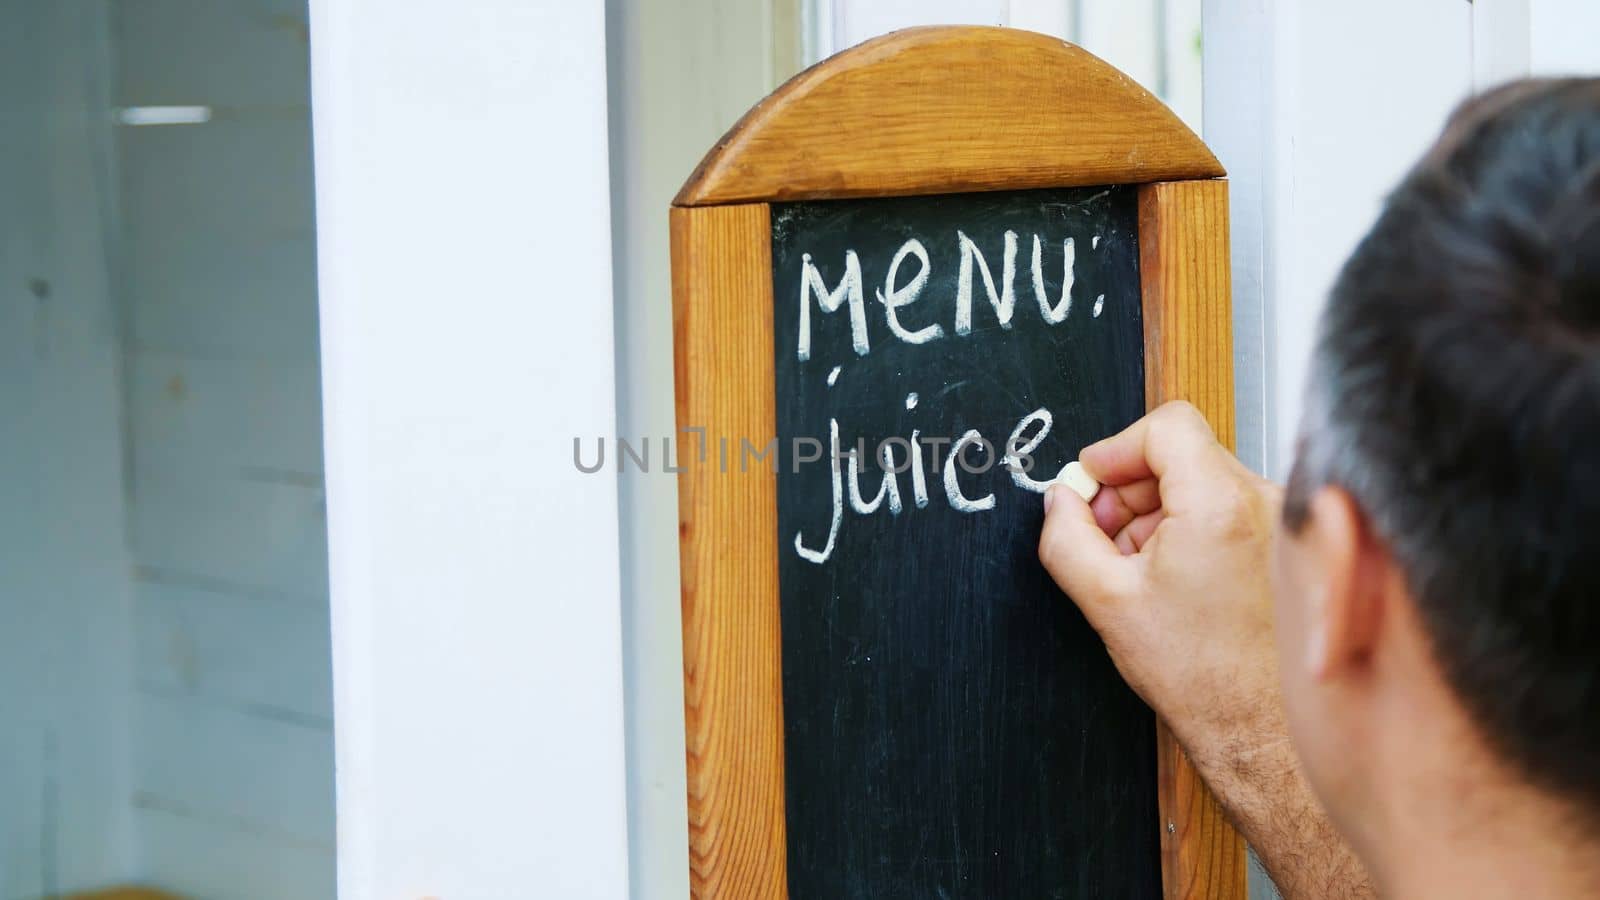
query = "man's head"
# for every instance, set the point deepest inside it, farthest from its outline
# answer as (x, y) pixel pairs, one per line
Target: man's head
(1443, 516)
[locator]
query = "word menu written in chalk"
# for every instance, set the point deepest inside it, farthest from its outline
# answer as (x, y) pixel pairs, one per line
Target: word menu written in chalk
(970, 288)
(952, 725)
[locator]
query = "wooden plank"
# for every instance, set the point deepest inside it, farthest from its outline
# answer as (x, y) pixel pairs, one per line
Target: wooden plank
(733, 691)
(241, 53)
(224, 418)
(247, 652)
(248, 175)
(1184, 271)
(203, 857)
(262, 533)
(271, 776)
(238, 294)
(945, 110)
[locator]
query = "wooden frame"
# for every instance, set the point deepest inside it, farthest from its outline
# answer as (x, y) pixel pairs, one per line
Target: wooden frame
(926, 101)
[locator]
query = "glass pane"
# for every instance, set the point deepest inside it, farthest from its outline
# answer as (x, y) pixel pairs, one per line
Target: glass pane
(165, 688)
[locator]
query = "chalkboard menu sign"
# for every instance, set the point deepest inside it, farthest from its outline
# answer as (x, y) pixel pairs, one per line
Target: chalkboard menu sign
(952, 726)
(908, 287)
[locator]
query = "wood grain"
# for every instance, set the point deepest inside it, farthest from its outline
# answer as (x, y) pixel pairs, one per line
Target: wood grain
(728, 527)
(949, 109)
(1184, 272)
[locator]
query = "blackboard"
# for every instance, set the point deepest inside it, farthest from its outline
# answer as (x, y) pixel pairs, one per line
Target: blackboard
(952, 726)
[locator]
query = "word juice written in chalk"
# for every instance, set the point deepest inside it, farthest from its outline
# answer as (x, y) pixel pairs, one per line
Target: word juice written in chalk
(953, 314)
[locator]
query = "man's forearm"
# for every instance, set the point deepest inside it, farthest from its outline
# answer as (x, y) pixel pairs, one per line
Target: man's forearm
(1259, 784)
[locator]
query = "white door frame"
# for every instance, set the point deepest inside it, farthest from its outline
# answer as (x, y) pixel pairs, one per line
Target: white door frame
(465, 288)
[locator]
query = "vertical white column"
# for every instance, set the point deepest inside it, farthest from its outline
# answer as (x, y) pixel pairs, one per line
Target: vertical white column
(465, 279)
(1316, 110)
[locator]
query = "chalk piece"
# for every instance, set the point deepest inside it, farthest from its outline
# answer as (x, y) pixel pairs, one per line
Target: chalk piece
(1082, 483)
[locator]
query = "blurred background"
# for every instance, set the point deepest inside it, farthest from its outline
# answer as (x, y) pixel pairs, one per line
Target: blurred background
(491, 183)
(165, 690)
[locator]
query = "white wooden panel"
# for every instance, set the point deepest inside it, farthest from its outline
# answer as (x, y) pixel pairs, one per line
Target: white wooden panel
(245, 177)
(222, 295)
(214, 761)
(1500, 41)
(221, 419)
(1125, 34)
(258, 534)
(259, 655)
(855, 21)
(205, 858)
(235, 53)
(1183, 84)
(1156, 42)
(467, 338)
(1044, 16)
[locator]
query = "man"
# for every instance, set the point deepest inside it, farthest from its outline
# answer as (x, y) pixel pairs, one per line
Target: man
(1428, 725)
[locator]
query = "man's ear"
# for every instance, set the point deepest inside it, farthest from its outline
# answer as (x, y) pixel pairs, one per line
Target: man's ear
(1348, 565)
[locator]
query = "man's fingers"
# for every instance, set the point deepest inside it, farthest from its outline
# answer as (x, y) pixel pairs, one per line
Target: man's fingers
(1136, 534)
(1115, 506)
(1174, 436)
(1080, 557)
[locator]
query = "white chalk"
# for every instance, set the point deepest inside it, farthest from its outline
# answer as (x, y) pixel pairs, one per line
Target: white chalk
(1080, 481)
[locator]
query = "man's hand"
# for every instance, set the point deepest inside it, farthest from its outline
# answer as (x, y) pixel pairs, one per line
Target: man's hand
(1170, 565)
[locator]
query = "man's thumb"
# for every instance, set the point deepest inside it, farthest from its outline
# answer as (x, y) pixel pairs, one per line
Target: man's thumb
(1080, 557)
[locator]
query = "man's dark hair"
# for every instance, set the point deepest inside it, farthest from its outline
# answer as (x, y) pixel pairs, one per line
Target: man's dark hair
(1455, 394)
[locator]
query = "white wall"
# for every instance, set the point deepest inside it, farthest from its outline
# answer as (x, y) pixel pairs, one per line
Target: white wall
(1317, 110)
(465, 275)
(64, 617)
(1329, 176)
(1564, 36)
(232, 762)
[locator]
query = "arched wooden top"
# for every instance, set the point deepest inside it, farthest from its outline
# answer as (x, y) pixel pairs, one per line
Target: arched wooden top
(949, 109)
